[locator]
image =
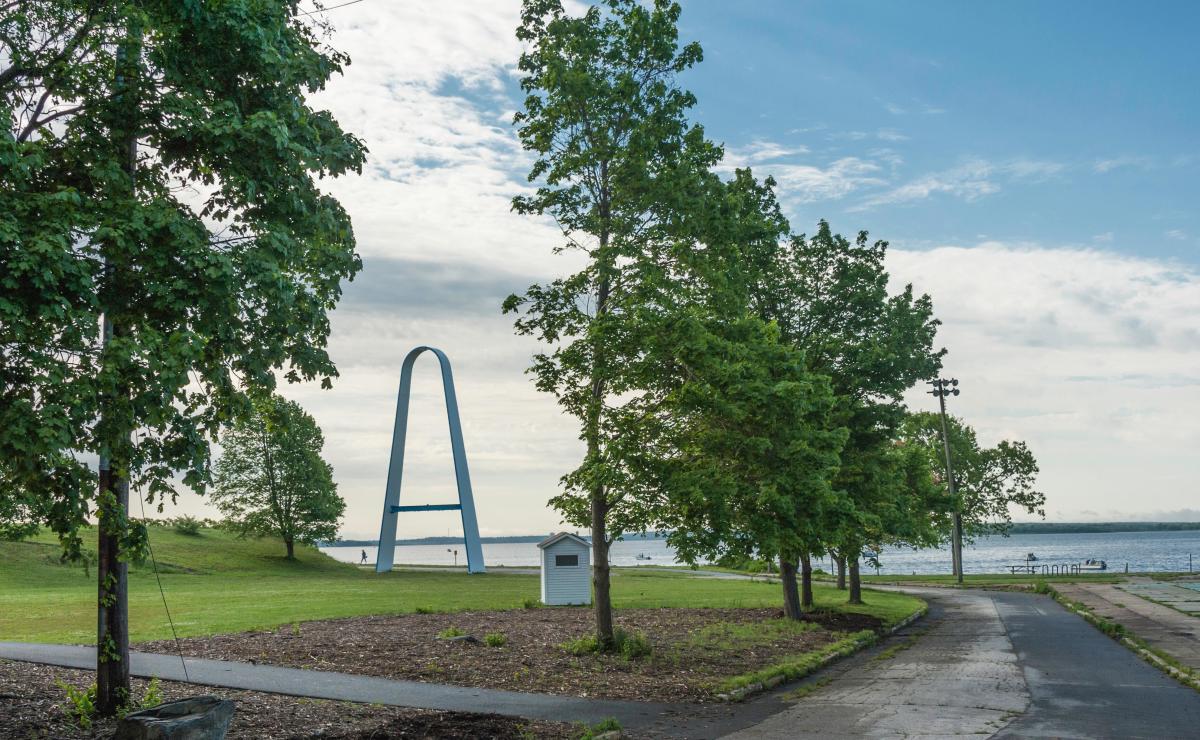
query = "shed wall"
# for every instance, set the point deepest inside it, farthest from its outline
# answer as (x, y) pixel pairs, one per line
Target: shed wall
(568, 584)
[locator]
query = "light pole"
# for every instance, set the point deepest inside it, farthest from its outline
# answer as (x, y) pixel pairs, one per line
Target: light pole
(941, 389)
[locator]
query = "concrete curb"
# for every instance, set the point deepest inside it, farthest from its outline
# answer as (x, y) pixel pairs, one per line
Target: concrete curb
(755, 688)
(1183, 677)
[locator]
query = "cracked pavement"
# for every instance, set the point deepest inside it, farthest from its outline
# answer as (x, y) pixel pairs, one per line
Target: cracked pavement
(984, 664)
(958, 678)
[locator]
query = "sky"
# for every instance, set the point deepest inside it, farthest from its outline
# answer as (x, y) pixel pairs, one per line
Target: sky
(1033, 165)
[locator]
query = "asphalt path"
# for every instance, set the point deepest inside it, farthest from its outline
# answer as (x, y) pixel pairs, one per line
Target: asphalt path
(347, 687)
(984, 663)
(1083, 684)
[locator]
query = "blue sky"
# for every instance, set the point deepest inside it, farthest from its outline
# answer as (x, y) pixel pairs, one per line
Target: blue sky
(1033, 164)
(1092, 107)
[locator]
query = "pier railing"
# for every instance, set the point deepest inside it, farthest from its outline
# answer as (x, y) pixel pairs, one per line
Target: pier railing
(1066, 569)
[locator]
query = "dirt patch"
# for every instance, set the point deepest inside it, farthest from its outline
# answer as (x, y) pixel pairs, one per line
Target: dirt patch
(693, 649)
(31, 706)
(844, 621)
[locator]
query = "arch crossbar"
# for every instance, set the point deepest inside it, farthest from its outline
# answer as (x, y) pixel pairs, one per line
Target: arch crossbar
(391, 500)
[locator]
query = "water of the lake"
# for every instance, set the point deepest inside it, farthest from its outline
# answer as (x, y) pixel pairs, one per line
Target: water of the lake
(1141, 551)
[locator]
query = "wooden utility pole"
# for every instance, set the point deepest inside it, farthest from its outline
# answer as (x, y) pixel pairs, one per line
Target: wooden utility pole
(941, 389)
(112, 618)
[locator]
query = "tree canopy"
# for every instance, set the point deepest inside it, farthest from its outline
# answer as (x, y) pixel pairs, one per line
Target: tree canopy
(213, 251)
(624, 174)
(271, 480)
(165, 250)
(990, 481)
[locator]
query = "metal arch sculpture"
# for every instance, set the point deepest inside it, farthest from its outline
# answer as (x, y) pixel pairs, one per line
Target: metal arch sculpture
(391, 501)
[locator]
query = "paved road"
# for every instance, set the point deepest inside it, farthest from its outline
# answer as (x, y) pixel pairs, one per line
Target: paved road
(1001, 664)
(1086, 685)
(952, 674)
(342, 686)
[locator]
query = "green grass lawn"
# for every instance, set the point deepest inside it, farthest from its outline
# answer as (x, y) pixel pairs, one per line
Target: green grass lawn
(217, 583)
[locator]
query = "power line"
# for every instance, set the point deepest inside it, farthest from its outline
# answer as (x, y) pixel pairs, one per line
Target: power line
(178, 647)
(326, 10)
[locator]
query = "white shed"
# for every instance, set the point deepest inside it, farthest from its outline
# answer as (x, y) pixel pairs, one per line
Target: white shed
(566, 571)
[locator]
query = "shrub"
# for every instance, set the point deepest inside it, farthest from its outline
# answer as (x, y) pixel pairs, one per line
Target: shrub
(423, 610)
(81, 704)
(449, 632)
(153, 696)
(629, 645)
(186, 525)
(743, 563)
(1041, 587)
(603, 726)
(530, 603)
(495, 639)
(582, 646)
(633, 645)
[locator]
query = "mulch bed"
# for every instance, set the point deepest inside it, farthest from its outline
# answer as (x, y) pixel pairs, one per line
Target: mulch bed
(31, 706)
(686, 663)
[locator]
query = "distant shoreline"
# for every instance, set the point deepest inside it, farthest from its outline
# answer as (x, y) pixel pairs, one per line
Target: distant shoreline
(1101, 527)
(510, 539)
(1017, 528)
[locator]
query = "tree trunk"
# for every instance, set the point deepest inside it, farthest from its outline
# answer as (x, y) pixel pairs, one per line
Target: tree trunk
(600, 574)
(855, 583)
(806, 594)
(291, 548)
(112, 572)
(841, 571)
(601, 585)
(112, 629)
(791, 596)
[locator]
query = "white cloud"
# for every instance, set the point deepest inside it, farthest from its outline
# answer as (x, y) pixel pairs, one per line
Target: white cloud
(1127, 160)
(802, 183)
(1090, 356)
(1177, 234)
(968, 181)
(918, 107)
(760, 150)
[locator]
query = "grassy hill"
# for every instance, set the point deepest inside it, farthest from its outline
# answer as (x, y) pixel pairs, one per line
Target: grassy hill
(216, 582)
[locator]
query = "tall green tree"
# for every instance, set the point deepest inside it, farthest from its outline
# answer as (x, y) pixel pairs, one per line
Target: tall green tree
(271, 480)
(754, 447)
(622, 172)
(991, 481)
(164, 250)
(753, 451)
(830, 297)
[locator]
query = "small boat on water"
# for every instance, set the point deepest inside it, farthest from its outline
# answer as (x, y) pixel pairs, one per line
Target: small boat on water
(1030, 557)
(643, 556)
(1093, 564)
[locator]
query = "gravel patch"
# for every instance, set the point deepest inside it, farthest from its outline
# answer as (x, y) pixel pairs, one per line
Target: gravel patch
(693, 649)
(31, 706)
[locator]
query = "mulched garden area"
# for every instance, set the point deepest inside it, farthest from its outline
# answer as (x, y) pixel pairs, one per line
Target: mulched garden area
(693, 649)
(31, 706)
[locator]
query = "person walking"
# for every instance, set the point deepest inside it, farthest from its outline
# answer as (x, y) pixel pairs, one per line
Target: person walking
(364, 558)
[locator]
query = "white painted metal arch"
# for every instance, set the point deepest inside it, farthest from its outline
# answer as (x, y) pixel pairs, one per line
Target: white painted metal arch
(391, 501)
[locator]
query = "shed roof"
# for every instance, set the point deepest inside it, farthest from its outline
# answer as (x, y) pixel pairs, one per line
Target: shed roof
(561, 536)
